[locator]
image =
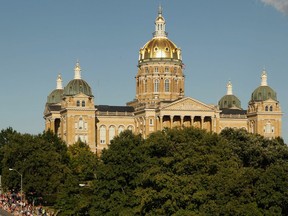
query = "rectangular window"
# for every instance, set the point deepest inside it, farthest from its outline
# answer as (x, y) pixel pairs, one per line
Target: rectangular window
(150, 121)
(146, 70)
(166, 69)
(156, 69)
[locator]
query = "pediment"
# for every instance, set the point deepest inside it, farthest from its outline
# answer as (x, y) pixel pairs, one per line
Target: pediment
(81, 95)
(188, 104)
(270, 100)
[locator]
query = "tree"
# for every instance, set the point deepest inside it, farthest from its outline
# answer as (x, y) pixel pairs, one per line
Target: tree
(191, 172)
(75, 195)
(41, 159)
(117, 176)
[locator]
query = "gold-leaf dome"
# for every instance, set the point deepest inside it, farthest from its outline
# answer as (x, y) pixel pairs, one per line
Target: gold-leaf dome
(160, 47)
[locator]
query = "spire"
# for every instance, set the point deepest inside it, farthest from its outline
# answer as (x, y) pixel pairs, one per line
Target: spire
(77, 71)
(229, 88)
(59, 82)
(160, 24)
(159, 10)
(264, 78)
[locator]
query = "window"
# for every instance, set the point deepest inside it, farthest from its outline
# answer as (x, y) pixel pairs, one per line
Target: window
(145, 85)
(120, 129)
(130, 128)
(102, 134)
(156, 69)
(111, 133)
(167, 86)
(150, 121)
(83, 103)
(268, 128)
(156, 85)
(146, 70)
(78, 103)
(166, 69)
(80, 123)
(175, 69)
(266, 108)
(271, 108)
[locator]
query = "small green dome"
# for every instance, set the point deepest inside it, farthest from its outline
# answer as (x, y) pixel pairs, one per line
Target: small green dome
(229, 101)
(77, 86)
(55, 96)
(263, 93)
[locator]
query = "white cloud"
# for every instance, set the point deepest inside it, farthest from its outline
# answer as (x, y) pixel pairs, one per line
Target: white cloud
(280, 5)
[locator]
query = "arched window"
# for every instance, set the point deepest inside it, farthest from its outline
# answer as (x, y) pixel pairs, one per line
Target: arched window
(268, 128)
(102, 134)
(83, 103)
(271, 108)
(266, 108)
(121, 129)
(156, 85)
(80, 123)
(111, 133)
(167, 86)
(78, 103)
(130, 127)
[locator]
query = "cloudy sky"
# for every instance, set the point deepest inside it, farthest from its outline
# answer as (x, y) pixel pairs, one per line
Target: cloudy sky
(221, 40)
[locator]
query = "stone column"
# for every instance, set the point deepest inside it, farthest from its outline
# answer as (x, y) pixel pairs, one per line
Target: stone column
(202, 121)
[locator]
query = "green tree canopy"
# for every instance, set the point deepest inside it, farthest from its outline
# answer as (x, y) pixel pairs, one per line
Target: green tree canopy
(41, 159)
(191, 172)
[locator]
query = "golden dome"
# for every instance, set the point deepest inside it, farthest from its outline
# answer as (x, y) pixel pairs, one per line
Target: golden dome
(159, 48)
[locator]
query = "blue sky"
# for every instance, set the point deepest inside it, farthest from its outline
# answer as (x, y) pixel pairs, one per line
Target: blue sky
(221, 40)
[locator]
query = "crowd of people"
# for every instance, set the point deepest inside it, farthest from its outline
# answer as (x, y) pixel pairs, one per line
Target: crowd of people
(11, 202)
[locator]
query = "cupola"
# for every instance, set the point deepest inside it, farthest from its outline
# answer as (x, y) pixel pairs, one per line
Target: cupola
(263, 92)
(77, 85)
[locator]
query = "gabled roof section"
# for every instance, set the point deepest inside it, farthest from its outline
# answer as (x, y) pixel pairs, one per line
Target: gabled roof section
(233, 111)
(51, 108)
(105, 108)
(188, 104)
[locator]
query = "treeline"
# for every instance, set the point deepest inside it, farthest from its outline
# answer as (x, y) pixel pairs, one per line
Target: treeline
(173, 172)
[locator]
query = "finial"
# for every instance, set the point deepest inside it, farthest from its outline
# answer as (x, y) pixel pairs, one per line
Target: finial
(160, 24)
(59, 82)
(160, 9)
(229, 88)
(77, 71)
(264, 78)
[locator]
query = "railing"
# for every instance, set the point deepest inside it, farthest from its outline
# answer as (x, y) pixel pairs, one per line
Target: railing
(239, 116)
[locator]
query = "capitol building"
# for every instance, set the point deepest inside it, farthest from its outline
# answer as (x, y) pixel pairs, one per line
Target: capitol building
(160, 102)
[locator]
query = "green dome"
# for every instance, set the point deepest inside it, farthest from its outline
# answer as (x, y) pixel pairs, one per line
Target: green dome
(55, 96)
(229, 101)
(263, 93)
(77, 86)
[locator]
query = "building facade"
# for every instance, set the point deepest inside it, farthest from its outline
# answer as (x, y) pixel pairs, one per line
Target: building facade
(159, 102)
